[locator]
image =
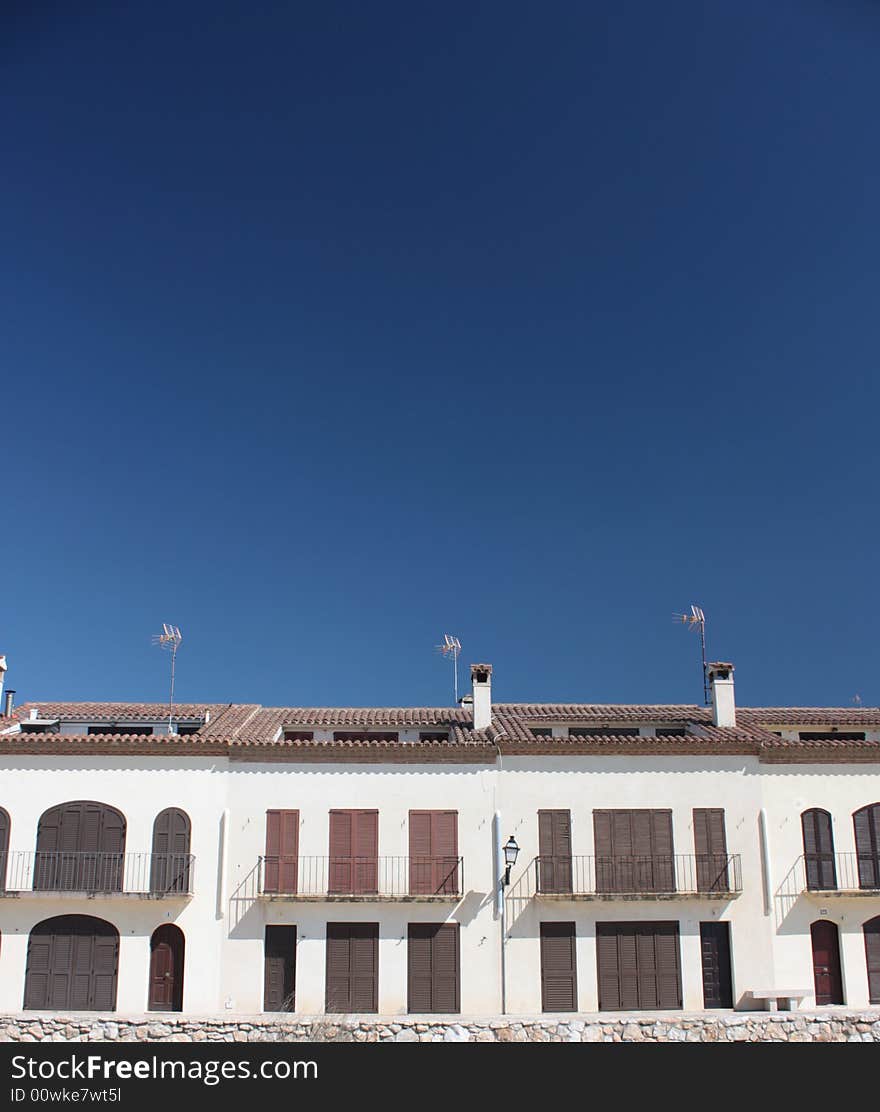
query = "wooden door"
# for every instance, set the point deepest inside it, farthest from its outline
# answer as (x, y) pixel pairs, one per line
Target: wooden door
(166, 969)
(715, 951)
(639, 966)
(352, 975)
(826, 962)
(554, 851)
(170, 863)
(72, 963)
(279, 979)
(433, 968)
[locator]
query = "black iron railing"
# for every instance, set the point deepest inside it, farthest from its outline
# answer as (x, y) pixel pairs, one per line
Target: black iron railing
(159, 874)
(360, 876)
(685, 874)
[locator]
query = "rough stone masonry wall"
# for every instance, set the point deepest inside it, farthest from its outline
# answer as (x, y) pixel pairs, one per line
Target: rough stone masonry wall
(836, 1026)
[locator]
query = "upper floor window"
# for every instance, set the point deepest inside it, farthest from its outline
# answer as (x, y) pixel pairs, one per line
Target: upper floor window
(832, 735)
(818, 850)
(867, 831)
(433, 735)
(603, 731)
(126, 731)
(294, 734)
(365, 735)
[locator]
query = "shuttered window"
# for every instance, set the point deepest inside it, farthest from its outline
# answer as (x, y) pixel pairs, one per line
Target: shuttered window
(352, 967)
(638, 966)
(872, 956)
(5, 826)
(72, 965)
(354, 852)
(558, 967)
(80, 847)
(279, 980)
(818, 850)
(710, 846)
(282, 848)
(634, 851)
(554, 851)
(867, 831)
(170, 864)
(433, 852)
(433, 965)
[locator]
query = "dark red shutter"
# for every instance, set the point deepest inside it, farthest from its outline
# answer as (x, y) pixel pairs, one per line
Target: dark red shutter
(867, 831)
(282, 848)
(433, 967)
(872, 957)
(554, 851)
(279, 977)
(558, 967)
(818, 850)
(352, 967)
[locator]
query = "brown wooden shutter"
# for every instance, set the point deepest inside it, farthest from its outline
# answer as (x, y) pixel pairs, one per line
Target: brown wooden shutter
(554, 851)
(872, 957)
(634, 851)
(558, 967)
(662, 851)
(866, 823)
(279, 978)
(4, 846)
(433, 852)
(818, 850)
(282, 849)
(170, 864)
(638, 966)
(354, 852)
(710, 846)
(602, 847)
(352, 967)
(433, 968)
(420, 863)
(72, 963)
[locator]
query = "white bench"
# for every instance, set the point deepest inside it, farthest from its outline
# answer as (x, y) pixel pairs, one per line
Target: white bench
(775, 996)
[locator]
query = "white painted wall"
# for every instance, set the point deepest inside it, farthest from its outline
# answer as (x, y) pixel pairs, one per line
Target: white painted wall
(224, 937)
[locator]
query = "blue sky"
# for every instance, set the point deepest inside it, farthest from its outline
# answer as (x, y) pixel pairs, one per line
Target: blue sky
(327, 329)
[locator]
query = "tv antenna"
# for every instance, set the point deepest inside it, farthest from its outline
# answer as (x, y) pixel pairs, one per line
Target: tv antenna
(169, 638)
(451, 647)
(696, 620)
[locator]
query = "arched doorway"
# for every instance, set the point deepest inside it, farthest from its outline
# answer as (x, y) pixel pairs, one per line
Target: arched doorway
(72, 964)
(826, 962)
(866, 824)
(167, 947)
(818, 850)
(871, 931)
(4, 847)
(170, 861)
(80, 848)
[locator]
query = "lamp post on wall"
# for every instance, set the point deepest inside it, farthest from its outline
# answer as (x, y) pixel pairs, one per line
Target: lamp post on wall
(510, 851)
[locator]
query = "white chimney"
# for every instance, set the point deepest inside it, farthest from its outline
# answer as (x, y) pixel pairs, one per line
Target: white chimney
(723, 701)
(2, 674)
(481, 683)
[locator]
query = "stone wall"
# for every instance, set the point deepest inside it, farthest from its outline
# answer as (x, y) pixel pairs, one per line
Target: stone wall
(827, 1026)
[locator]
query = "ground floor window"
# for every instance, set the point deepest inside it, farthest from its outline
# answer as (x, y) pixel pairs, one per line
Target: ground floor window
(72, 964)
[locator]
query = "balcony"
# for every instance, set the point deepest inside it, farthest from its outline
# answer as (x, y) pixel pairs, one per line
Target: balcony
(837, 874)
(141, 875)
(360, 879)
(658, 877)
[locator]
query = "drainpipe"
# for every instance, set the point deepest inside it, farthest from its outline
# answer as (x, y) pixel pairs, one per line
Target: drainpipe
(223, 863)
(765, 859)
(500, 901)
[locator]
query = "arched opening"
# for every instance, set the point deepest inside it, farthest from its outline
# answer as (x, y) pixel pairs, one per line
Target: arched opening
(80, 848)
(871, 930)
(866, 823)
(170, 861)
(167, 947)
(72, 964)
(826, 962)
(5, 825)
(818, 850)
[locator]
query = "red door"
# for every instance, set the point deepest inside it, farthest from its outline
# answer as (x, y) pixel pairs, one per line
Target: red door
(826, 962)
(166, 969)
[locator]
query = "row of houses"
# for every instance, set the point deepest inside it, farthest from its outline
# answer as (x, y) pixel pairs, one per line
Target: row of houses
(485, 858)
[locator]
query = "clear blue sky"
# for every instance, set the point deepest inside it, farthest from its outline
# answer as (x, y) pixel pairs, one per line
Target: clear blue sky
(326, 329)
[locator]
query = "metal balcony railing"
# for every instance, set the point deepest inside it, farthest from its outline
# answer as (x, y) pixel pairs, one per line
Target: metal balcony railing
(360, 877)
(838, 872)
(643, 876)
(153, 874)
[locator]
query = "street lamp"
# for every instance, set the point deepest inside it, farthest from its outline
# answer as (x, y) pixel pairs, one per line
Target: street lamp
(511, 852)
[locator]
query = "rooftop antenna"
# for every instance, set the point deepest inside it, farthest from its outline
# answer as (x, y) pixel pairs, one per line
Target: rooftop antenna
(696, 620)
(169, 638)
(451, 647)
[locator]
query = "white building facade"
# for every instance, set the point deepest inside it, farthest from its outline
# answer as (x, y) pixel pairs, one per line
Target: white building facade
(351, 860)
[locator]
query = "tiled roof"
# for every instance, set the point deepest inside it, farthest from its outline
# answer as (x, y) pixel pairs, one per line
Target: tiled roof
(249, 731)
